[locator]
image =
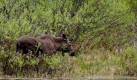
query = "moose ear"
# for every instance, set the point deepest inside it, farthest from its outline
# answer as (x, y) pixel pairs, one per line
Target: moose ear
(64, 36)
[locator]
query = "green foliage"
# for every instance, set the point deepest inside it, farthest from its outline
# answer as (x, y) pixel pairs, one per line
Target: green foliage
(90, 24)
(131, 54)
(53, 61)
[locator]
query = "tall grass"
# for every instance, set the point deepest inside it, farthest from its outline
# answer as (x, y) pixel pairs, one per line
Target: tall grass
(103, 33)
(98, 62)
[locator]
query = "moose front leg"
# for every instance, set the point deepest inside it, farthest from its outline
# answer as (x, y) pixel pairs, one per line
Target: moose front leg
(48, 53)
(63, 53)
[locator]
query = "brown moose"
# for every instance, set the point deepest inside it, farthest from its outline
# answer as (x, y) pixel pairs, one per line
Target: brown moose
(52, 44)
(45, 44)
(27, 43)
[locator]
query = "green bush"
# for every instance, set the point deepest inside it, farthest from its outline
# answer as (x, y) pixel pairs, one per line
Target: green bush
(95, 27)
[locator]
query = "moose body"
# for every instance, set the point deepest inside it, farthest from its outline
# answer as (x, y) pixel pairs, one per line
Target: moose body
(53, 44)
(27, 43)
(45, 44)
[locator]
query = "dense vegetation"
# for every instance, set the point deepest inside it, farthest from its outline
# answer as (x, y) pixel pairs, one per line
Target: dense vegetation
(102, 31)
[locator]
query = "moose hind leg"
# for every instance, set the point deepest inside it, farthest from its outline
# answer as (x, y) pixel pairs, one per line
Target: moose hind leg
(25, 51)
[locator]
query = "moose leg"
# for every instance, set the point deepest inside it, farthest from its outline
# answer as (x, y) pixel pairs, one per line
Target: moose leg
(72, 53)
(49, 53)
(25, 51)
(46, 52)
(63, 53)
(35, 52)
(19, 49)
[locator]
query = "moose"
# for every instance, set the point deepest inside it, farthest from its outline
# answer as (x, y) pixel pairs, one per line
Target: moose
(27, 43)
(46, 44)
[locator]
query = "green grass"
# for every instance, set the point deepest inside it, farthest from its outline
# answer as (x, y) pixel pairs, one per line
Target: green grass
(98, 62)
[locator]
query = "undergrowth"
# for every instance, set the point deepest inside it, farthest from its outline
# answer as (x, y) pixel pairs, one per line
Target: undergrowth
(98, 62)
